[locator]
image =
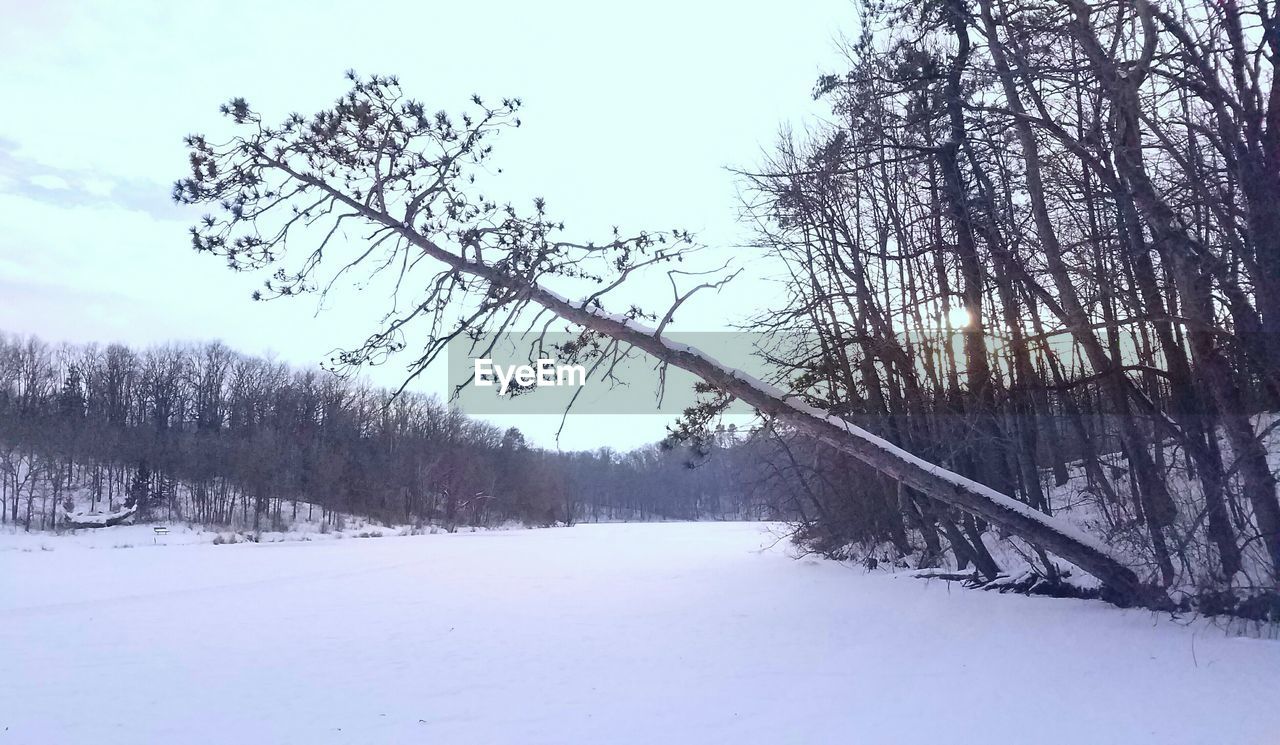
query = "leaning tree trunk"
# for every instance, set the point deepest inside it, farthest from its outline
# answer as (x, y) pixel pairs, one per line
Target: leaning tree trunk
(934, 481)
(1121, 584)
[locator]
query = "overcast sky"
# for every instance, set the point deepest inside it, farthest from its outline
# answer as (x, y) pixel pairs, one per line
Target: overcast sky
(632, 113)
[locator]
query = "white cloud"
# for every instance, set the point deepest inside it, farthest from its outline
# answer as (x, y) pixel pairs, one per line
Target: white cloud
(50, 181)
(99, 187)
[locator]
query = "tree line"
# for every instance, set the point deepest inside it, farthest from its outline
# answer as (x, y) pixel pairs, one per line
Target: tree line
(1035, 236)
(203, 434)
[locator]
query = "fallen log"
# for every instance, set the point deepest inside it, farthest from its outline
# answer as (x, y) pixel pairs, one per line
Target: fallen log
(107, 520)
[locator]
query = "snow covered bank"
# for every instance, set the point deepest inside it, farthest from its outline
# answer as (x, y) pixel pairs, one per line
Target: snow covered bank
(14, 538)
(621, 633)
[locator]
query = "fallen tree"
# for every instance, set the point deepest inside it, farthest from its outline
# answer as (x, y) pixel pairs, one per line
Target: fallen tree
(379, 160)
(74, 521)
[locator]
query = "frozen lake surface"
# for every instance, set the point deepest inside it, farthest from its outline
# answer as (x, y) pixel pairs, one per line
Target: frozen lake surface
(636, 633)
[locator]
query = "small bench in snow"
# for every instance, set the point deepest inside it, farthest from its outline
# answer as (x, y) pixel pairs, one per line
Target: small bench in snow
(160, 530)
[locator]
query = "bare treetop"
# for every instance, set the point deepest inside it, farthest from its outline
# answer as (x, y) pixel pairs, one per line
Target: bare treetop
(411, 179)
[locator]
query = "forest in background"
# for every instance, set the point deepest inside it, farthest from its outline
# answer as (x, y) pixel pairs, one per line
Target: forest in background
(203, 434)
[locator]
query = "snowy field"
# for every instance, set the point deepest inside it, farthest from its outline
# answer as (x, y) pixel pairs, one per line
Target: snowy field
(638, 633)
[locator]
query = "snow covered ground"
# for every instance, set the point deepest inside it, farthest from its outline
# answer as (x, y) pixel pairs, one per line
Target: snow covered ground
(620, 633)
(14, 538)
